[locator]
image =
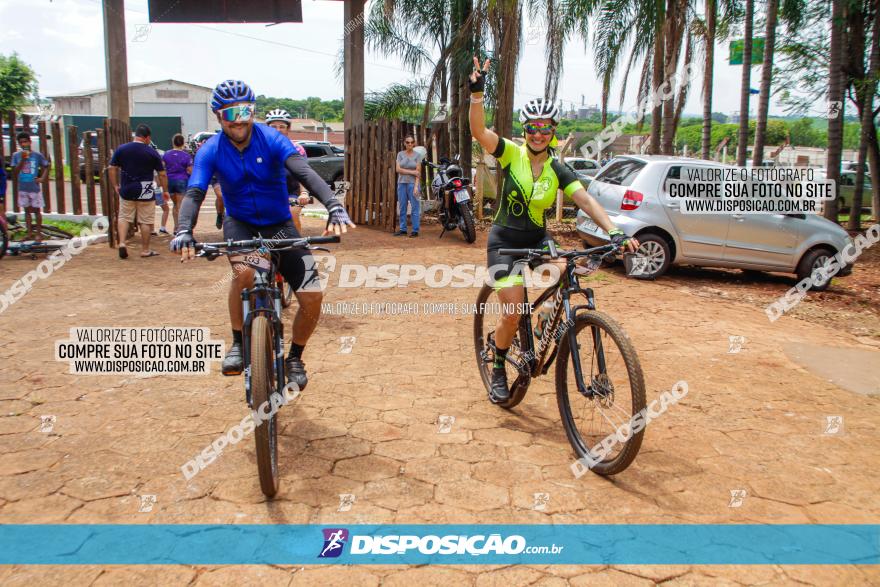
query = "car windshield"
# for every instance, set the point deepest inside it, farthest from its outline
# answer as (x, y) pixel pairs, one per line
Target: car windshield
(621, 172)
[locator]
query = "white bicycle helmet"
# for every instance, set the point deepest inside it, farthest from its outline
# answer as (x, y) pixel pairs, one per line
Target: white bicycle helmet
(278, 114)
(538, 109)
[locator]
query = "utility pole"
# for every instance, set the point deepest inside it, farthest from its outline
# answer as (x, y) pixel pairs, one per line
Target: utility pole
(115, 58)
(353, 47)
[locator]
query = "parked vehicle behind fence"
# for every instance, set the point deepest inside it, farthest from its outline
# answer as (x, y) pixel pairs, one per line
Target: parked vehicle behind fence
(327, 160)
(632, 189)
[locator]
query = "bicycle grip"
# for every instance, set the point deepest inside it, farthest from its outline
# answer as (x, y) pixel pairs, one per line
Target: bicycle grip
(514, 252)
(320, 240)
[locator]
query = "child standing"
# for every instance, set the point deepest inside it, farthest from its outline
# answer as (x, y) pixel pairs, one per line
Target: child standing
(32, 169)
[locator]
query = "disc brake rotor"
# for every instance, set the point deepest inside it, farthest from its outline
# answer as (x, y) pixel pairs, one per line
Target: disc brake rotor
(603, 389)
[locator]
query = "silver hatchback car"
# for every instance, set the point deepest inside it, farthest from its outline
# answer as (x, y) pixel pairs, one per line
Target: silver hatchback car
(632, 190)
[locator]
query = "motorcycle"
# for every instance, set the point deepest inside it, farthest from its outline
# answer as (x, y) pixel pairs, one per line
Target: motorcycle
(454, 197)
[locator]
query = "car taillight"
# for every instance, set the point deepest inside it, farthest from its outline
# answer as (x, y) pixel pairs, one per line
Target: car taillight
(456, 183)
(631, 200)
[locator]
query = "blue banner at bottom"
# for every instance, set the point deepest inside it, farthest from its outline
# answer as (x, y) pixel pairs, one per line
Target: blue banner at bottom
(705, 544)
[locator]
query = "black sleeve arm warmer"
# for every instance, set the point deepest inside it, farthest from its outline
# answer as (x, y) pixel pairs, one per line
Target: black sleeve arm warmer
(189, 208)
(317, 187)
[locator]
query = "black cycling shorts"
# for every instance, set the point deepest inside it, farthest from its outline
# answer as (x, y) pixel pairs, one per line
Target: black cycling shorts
(501, 268)
(297, 266)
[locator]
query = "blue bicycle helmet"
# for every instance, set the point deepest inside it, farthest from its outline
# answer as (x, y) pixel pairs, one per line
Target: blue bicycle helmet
(229, 92)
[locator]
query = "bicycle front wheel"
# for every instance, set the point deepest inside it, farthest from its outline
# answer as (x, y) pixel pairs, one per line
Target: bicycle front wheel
(262, 386)
(615, 394)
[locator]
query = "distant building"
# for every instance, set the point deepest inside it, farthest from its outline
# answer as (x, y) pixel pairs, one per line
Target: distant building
(309, 129)
(585, 112)
(191, 102)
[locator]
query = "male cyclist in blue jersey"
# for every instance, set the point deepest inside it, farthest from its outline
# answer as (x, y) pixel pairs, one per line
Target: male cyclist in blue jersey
(249, 161)
(531, 177)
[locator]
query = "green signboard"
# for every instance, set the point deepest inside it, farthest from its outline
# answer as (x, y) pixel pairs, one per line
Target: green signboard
(736, 51)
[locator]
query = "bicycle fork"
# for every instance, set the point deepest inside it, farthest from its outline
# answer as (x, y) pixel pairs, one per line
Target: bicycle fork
(585, 389)
(259, 291)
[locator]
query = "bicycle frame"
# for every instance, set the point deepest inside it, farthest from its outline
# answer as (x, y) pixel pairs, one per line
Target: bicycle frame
(267, 302)
(548, 345)
(264, 297)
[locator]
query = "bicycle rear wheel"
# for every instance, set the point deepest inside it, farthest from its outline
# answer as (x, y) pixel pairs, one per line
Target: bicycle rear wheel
(485, 320)
(611, 369)
(262, 386)
(286, 290)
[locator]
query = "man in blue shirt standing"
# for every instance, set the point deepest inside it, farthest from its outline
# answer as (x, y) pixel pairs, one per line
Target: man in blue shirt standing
(32, 169)
(249, 161)
(132, 175)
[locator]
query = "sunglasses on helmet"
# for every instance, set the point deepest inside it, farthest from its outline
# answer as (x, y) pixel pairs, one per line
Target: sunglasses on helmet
(239, 113)
(533, 127)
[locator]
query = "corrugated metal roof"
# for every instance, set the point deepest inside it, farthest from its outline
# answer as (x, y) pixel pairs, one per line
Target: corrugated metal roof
(86, 93)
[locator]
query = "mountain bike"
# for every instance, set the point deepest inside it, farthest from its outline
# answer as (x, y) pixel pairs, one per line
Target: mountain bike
(598, 376)
(263, 336)
(9, 226)
(47, 231)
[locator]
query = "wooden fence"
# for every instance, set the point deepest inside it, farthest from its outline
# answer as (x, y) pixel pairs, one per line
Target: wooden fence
(371, 153)
(51, 136)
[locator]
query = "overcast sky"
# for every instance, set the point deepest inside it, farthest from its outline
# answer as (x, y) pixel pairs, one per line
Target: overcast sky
(63, 41)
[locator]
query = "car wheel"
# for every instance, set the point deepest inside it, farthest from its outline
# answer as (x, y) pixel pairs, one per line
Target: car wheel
(657, 254)
(809, 263)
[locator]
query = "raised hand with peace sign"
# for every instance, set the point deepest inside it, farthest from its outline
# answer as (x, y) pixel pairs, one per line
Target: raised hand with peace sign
(478, 76)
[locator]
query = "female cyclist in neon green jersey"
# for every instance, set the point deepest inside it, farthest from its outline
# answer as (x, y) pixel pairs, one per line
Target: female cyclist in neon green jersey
(531, 177)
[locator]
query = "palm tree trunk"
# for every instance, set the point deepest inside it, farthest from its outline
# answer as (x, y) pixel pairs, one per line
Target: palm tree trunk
(464, 129)
(857, 74)
(555, 45)
(507, 41)
(874, 167)
(708, 71)
(873, 146)
(766, 75)
(685, 86)
(835, 94)
(673, 48)
(743, 139)
(657, 78)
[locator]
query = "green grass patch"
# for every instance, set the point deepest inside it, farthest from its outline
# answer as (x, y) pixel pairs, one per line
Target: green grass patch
(844, 218)
(52, 172)
(74, 228)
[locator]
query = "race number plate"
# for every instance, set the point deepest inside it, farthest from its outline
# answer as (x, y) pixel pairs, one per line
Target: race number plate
(589, 225)
(462, 196)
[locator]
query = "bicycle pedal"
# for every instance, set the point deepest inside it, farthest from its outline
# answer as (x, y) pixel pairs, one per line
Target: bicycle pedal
(520, 384)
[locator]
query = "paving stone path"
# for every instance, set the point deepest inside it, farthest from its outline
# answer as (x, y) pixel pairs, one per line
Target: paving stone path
(374, 424)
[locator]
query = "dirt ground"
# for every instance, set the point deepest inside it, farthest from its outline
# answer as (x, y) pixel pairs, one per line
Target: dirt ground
(368, 424)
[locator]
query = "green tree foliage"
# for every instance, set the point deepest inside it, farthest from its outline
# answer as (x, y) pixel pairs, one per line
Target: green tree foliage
(18, 83)
(804, 133)
(311, 107)
(777, 131)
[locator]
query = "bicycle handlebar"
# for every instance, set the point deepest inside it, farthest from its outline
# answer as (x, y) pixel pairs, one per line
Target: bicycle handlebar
(603, 250)
(271, 244)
